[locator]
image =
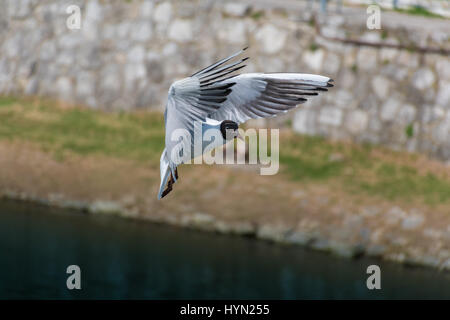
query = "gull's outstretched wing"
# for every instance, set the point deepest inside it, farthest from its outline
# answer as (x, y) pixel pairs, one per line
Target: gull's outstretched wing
(202, 94)
(263, 95)
(216, 92)
(194, 98)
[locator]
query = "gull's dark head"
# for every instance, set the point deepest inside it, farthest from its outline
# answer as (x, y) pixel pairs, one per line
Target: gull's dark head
(229, 129)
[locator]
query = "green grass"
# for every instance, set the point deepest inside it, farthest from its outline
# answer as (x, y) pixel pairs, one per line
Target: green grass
(307, 158)
(6, 101)
(313, 46)
(84, 132)
(356, 169)
(394, 181)
(419, 11)
(409, 130)
(257, 15)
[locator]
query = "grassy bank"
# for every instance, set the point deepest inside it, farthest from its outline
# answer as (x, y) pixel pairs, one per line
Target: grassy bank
(139, 136)
(331, 196)
(61, 131)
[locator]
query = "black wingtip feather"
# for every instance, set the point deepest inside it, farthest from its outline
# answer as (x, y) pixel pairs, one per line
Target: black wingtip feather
(222, 74)
(212, 99)
(219, 87)
(218, 63)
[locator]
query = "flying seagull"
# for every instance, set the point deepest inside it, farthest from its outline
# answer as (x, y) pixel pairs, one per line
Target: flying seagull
(219, 98)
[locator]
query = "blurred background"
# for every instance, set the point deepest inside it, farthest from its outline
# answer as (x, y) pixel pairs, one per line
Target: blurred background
(364, 168)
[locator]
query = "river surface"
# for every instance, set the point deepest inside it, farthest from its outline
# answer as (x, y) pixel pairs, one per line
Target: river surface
(123, 259)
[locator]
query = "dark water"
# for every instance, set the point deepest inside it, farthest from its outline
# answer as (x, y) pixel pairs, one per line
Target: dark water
(121, 259)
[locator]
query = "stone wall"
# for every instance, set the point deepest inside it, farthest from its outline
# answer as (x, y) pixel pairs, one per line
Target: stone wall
(127, 53)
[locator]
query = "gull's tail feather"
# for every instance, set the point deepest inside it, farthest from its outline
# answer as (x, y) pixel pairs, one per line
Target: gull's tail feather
(165, 172)
(169, 187)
